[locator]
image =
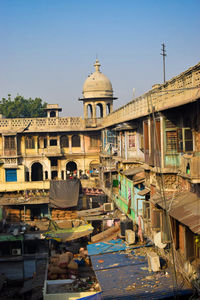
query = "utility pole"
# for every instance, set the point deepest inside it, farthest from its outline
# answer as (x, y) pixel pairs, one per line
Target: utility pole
(163, 49)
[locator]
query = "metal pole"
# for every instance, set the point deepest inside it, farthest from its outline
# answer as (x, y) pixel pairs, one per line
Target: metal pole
(163, 49)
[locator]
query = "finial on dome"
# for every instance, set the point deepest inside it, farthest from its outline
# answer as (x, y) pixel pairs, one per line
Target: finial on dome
(97, 65)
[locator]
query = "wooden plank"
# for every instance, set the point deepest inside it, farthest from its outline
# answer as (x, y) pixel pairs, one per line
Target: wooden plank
(92, 211)
(105, 234)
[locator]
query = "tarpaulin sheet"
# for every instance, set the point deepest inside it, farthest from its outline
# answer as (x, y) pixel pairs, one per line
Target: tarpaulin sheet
(64, 193)
(62, 235)
(97, 296)
(106, 247)
(125, 276)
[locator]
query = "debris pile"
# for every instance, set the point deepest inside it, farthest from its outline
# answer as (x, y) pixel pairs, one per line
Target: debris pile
(75, 272)
(62, 266)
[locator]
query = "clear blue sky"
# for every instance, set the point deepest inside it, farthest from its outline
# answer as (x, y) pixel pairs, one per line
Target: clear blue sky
(48, 47)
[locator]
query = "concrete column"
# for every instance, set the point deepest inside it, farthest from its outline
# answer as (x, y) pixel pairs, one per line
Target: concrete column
(48, 141)
(94, 111)
(126, 142)
(162, 141)
(85, 110)
(104, 109)
(82, 142)
(70, 143)
(36, 143)
(58, 141)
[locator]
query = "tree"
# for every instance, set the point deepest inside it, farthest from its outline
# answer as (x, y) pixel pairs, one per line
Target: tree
(22, 108)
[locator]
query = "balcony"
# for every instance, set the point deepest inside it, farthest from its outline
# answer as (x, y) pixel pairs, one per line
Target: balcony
(23, 186)
(190, 168)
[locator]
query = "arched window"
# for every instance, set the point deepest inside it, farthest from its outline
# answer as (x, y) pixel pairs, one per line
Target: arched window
(108, 109)
(71, 168)
(76, 141)
(36, 172)
(89, 111)
(99, 110)
(64, 141)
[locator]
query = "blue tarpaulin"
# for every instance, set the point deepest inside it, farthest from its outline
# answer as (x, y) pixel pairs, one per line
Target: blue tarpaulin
(125, 275)
(106, 247)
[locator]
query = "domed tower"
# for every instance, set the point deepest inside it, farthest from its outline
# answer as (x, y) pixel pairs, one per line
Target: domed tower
(97, 95)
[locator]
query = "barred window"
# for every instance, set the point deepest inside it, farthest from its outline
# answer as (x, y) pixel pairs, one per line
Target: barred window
(64, 141)
(179, 140)
(30, 142)
(131, 140)
(10, 142)
(76, 141)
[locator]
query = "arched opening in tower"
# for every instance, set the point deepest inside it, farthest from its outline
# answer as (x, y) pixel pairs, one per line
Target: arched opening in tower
(71, 169)
(36, 172)
(99, 110)
(108, 109)
(89, 111)
(52, 114)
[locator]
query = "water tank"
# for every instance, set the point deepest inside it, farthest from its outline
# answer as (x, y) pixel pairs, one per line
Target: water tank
(126, 224)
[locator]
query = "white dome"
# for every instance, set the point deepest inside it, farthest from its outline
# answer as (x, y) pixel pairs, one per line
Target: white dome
(97, 85)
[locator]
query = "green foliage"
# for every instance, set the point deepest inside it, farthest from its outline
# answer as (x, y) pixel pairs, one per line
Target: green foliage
(22, 108)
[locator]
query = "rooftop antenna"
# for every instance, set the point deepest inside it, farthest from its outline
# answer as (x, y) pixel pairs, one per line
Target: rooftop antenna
(163, 49)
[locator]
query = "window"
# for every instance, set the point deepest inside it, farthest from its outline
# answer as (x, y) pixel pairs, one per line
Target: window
(9, 142)
(94, 141)
(42, 142)
(11, 175)
(30, 142)
(179, 140)
(171, 141)
(185, 141)
(146, 210)
(131, 141)
(54, 162)
(75, 141)
(64, 141)
(53, 142)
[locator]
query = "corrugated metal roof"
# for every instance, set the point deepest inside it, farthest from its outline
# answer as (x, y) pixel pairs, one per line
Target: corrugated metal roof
(184, 207)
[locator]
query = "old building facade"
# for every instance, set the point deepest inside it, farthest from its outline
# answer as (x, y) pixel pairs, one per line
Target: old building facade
(145, 156)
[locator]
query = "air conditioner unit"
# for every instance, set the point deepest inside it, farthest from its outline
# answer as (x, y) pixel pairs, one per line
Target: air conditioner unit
(108, 206)
(16, 251)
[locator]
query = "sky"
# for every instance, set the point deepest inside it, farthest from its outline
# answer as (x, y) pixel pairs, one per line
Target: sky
(48, 47)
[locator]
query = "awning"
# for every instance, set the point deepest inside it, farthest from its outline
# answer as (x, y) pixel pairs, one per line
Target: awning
(64, 193)
(143, 192)
(63, 235)
(133, 171)
(110, 171)
(184, 207)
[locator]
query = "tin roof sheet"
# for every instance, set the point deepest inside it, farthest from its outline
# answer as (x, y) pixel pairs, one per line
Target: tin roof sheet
(185, 207)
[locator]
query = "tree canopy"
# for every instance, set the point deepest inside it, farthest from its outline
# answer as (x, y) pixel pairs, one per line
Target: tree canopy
(20, 107)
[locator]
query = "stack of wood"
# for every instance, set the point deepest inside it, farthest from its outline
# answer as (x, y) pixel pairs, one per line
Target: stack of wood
(62, 266)
(17, 215)
(27, 216)
(58, 214)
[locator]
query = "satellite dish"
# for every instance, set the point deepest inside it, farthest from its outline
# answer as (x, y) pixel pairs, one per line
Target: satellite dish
(157, 240)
